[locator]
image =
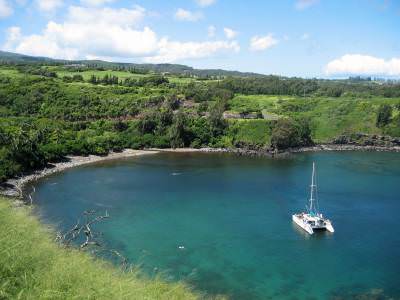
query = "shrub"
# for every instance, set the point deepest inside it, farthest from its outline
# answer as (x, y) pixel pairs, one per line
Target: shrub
(384, 115)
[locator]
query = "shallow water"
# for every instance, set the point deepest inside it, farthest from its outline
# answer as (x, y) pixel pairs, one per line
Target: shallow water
(232, 215)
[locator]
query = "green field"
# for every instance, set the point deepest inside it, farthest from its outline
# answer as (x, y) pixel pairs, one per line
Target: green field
(32, 266)
(61, 72)
(9, 72)
(252, 132)
(120, 74)
(87, 74)
(330, 117)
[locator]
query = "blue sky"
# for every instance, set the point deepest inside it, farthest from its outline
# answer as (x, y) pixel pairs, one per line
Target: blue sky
(308, 38)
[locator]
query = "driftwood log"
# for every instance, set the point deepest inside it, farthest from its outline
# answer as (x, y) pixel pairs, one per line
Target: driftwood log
(88, 239)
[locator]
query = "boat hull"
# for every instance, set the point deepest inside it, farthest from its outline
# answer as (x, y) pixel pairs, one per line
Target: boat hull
(303, 225)
(312, 223)
(329, 227)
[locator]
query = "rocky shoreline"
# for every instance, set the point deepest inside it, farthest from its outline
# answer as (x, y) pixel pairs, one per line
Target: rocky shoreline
(272, 153)
(14, 187)
(346, 147)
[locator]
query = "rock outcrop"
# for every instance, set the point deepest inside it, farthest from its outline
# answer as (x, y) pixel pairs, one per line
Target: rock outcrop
(361, 139)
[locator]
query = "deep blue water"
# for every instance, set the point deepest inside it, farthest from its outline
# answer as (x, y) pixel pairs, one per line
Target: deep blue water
(233, 217)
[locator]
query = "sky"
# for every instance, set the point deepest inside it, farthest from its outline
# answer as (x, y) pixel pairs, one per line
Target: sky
(306, 38)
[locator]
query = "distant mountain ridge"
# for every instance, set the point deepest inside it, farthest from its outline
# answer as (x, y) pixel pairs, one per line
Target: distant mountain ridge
(15, 58)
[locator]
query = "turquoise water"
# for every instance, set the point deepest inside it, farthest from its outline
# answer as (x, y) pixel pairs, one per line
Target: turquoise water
(233, 217)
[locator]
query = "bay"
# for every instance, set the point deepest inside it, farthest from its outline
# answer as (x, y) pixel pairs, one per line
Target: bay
(223, 223)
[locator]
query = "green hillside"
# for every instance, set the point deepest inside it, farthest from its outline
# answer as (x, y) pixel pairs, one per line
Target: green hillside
(329, 117)
(47, 112)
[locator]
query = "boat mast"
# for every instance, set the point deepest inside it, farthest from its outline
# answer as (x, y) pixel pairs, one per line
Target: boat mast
(313, 186)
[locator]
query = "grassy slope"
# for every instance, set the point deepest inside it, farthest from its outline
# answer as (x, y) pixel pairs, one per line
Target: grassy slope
(32, 266)
(330, 117)
(253, 132)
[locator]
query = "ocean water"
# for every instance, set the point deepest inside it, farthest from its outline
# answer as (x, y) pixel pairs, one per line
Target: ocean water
(223, 224)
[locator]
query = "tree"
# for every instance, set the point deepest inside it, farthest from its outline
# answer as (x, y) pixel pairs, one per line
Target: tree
(289, 133)
(384, 115)
(148, 123)
(216, 121)
(177, 131)
(304, 130)
(164, 118)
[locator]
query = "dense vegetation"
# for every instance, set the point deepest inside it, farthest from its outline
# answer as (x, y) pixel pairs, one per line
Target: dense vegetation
(50, 109)
(33, 266)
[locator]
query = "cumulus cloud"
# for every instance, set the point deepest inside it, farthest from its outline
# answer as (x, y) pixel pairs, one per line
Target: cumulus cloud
(114, 34)
(357, 64)
(95, 2)
(205, 3)
(170, 51)
(260, 43)
(186, 15)
(89, 31)
(49, 6)
(230, 33)
(5, 9)
(303, 4)
(13, 35)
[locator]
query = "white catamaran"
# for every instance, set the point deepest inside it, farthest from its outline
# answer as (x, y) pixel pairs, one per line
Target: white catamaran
(312, 219)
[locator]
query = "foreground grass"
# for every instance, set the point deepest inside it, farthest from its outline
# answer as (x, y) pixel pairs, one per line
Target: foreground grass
(32, 266)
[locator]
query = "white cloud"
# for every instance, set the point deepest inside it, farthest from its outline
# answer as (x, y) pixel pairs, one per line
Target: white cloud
(186, 15)
(259, 43)
(230, 33)
(211, 31)
(13, 35)
(5, 9)
(205, 3)
(49, 6)
(358, 64)
(89, 31)
(109, 33)
(170, 51)
(95, 2)
(303, 4)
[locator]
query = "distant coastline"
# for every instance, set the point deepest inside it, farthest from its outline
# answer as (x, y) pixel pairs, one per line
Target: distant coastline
(14, 187)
